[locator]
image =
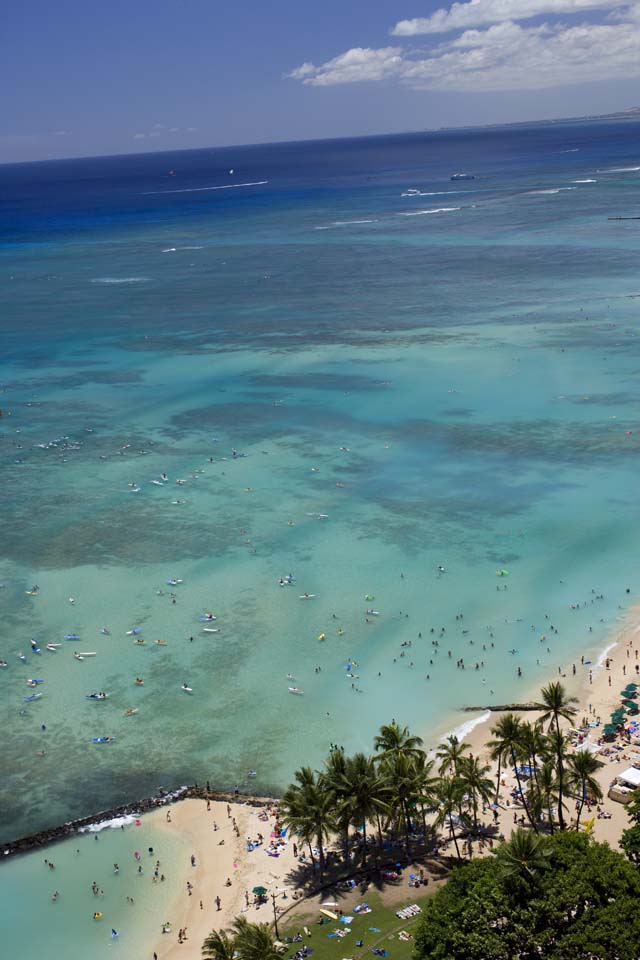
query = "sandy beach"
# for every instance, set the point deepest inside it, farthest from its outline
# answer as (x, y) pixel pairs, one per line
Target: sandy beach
(220, 855)
(217, 834)
(598, 694)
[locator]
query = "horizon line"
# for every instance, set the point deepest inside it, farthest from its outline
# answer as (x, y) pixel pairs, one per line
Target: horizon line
(629, 113)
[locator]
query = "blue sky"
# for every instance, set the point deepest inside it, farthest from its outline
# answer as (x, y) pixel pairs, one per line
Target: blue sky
(82, 78)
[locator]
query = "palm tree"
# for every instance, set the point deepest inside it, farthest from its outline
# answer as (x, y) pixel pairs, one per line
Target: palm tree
(523, 856)
(425, 785)
(218, 946)
(363, 794)
(308, 811)
(556, 704)
(543, 791)
(394, 739)
(508, 743)
(473, 776)
(255, 941)
(582, 766)
(334, 781)
(305, 776)
(499, 748)
(399, 771)
(450, 753)
(534, 744)
(557, 752)
(450, 792)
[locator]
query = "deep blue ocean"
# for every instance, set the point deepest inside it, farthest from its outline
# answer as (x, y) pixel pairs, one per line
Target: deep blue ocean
(417, 395)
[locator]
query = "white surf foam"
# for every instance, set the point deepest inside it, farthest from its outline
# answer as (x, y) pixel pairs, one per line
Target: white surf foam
(119, 279)
(224, 186)
(344, 223)
(585, 181)
(603, 656)
(620, 170)
(113, 824)
(431, 193)
(421, 213)
(530, 193)
(463, 730)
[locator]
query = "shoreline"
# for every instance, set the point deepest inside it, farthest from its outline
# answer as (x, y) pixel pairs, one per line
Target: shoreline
(51, 835)
(596, 699)
(576, 686)
(627, 629)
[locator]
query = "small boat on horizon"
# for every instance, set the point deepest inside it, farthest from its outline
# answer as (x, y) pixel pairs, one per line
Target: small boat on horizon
(462, 176)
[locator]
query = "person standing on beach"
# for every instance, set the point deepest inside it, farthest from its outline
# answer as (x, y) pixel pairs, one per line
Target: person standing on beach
(218, 903)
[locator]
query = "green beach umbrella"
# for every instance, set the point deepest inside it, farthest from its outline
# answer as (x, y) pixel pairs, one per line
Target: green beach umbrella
(609, 729)
(259, 891)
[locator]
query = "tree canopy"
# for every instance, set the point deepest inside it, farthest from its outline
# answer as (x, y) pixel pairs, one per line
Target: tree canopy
(579, 903)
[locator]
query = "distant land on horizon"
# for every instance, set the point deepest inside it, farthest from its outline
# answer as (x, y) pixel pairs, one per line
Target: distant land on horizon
(632, 113)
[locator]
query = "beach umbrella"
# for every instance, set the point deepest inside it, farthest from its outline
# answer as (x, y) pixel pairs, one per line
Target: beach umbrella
(259, 891)
(609, 730)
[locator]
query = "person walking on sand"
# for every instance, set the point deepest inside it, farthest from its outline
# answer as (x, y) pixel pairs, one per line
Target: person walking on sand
(218, 903)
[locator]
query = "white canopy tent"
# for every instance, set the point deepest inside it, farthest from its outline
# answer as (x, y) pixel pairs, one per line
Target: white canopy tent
(630, 777)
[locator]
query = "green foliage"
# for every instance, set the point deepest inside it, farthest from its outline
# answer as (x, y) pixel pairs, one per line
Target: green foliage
(581, 903)
(630, 843)
(245, 941)
(633, 807)
(218, 946)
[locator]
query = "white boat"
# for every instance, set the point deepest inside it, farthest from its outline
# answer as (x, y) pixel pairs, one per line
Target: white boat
(296, 690)
(186, 688)
(53, 646)
(84, 654)
(211, 629)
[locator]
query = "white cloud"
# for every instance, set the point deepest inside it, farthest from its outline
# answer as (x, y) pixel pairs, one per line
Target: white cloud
(139, 136)
(357, 64)
(476, 13)
(506, 56)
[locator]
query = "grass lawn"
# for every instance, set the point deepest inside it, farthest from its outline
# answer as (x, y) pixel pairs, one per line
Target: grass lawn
(382, 917)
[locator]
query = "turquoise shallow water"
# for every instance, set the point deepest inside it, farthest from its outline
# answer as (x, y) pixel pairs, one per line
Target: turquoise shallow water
(36, 926)
(456, 388)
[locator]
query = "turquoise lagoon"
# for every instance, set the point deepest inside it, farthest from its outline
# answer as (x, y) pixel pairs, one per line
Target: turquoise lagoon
(414, 374)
